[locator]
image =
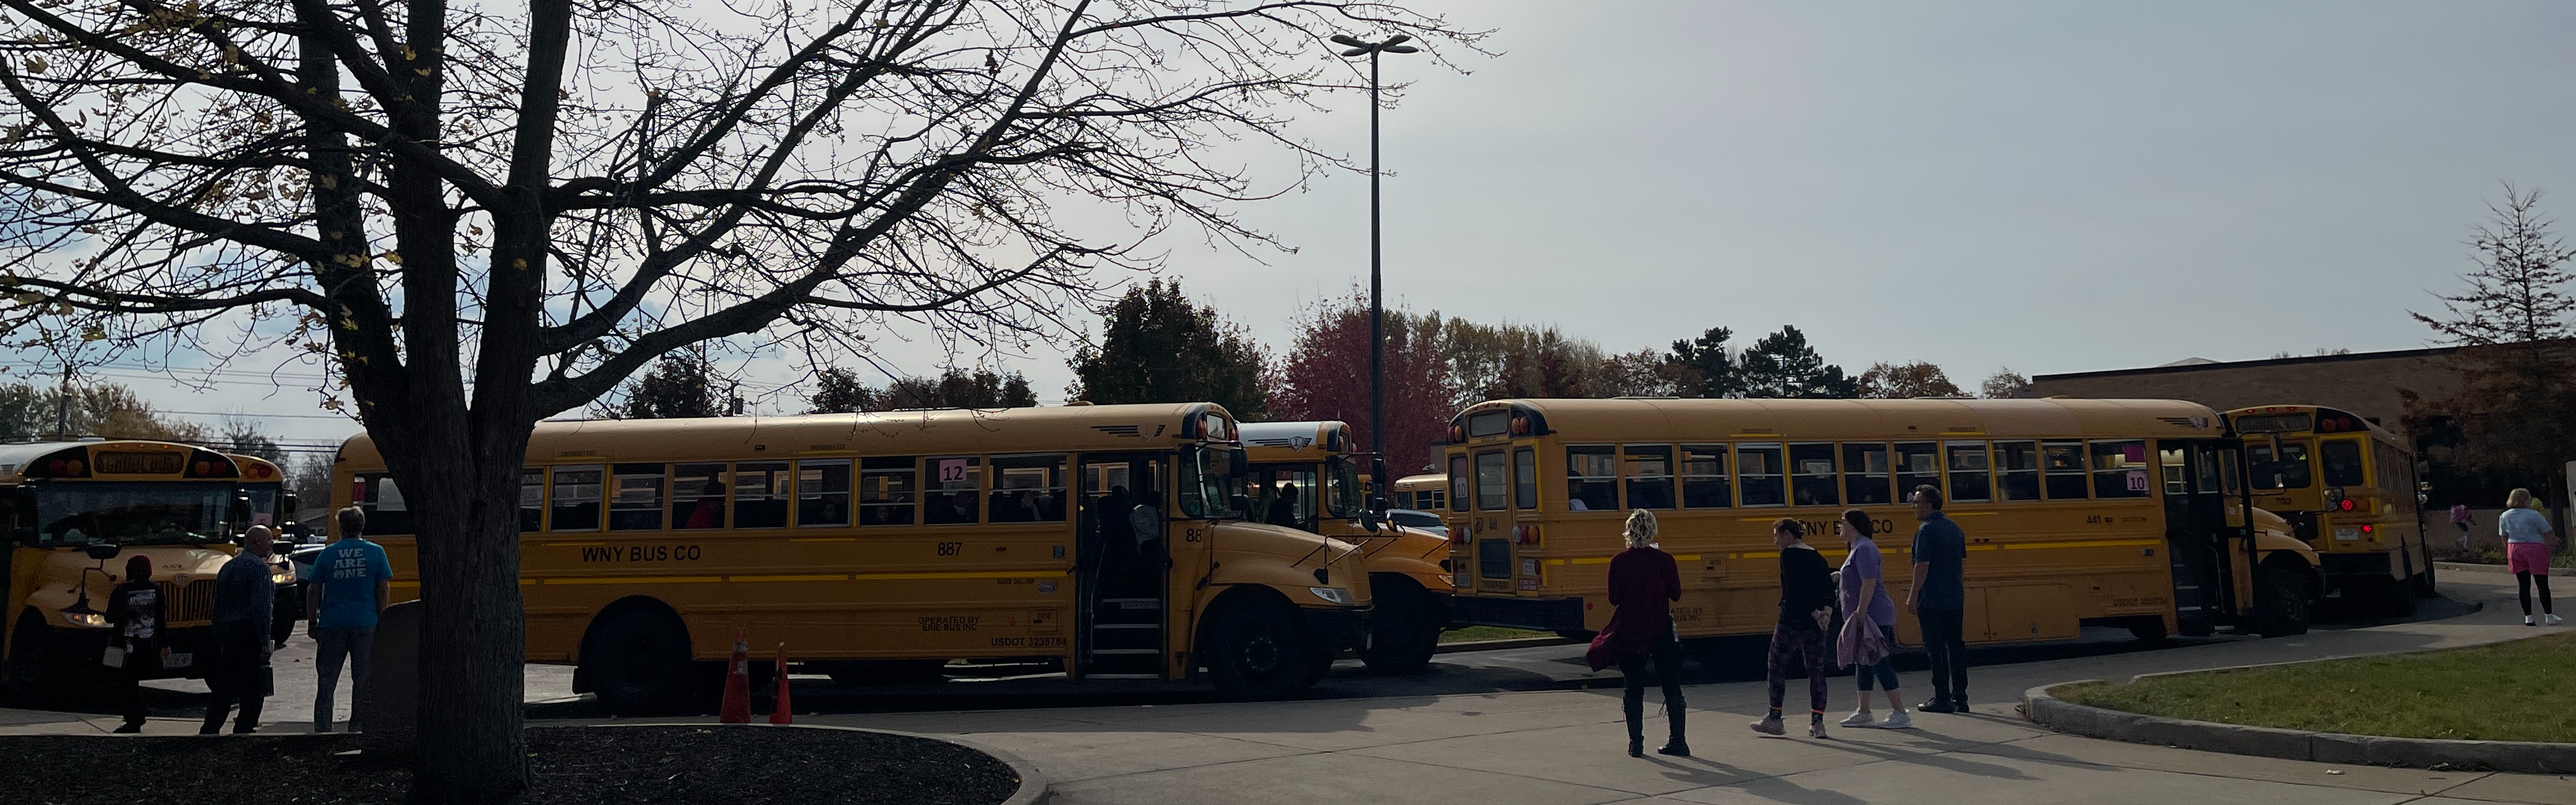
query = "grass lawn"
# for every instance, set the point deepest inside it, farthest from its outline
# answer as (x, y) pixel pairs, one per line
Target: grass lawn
(1464, 634)
(2518, 691)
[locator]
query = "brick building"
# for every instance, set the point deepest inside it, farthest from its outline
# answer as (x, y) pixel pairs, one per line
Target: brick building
(2365, 383)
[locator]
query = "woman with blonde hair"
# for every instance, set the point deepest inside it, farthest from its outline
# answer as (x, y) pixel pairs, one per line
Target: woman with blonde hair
(1644, 581)
(2527, 535)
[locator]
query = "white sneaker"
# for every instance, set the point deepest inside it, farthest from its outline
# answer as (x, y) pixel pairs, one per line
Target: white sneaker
(1898, 721)
(1860, 718)
(2552, 620)
(2526, 620)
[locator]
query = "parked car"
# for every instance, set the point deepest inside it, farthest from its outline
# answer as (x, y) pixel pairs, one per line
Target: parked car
(1418, 520)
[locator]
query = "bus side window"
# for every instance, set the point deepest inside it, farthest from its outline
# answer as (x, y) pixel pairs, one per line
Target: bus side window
(1917, 464)
(886, 490)
(383, 503)
(697, 496)
(1759, 480)
(1458, 482)
(1649, 475)
(635, 504)
(2064, 463)
(2120, 470)
(576, 498)
(823, 493)
(1591, 478)
(1866, 474)
(1028, 489)
(760, 494)
(1704, 481)
(2017, 470)
(1811, 474)
(955, 485)
(532, 500)
(1969, 465)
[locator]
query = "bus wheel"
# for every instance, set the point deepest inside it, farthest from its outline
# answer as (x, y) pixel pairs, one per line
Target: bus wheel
(1733, 656)
(639, 663)
(2396, 597)
(1257, 649)
(2149, 629)
(1405, 629)
(2280, 602)
(2424, 582)
(41, 670)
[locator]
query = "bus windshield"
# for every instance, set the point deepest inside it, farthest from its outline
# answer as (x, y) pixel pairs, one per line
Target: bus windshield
(2288, 470)
(131, 513)
(1204, 485)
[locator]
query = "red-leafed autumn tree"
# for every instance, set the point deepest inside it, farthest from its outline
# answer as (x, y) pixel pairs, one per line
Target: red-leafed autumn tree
(477, 216)
(1326, 376)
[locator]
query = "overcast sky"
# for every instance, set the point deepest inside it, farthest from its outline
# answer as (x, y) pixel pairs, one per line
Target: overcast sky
(2054, 187)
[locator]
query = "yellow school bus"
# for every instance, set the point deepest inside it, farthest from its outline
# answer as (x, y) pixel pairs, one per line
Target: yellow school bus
(74, 512)
(1305, 475)
(2078, 512)
(1426, 492)
(1106, 540)
(2347, 487)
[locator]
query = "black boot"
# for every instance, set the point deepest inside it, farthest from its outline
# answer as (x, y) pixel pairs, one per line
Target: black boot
(1635, 709)
(1676, 747)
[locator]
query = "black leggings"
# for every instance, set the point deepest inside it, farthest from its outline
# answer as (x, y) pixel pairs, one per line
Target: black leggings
(2525, 580)
(1667, 656)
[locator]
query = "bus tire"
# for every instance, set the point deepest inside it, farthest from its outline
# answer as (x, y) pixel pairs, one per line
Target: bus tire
(2424, 582)
(2148, 629)
(638, 662)
(42, 671)
(2396, 597)
(1405, 628)
(1732, 656)
(1257, 648)
(2280, 602)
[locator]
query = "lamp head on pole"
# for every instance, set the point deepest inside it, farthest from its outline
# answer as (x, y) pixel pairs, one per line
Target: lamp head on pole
(1361, 47)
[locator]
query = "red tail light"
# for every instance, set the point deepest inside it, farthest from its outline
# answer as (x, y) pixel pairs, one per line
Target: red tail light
(2345, 504)
(2365, 528)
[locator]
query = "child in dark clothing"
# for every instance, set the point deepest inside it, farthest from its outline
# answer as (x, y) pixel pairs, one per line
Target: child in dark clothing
(1806, 608)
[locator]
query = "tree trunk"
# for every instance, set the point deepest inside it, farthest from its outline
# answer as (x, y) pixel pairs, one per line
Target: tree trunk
(473, 633)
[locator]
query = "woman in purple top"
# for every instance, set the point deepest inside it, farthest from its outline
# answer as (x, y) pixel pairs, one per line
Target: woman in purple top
(1864, 588)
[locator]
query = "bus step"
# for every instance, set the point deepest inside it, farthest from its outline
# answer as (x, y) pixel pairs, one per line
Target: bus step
(1126, 651)
(1122, 676)
(1134, 603)
(1126, 626)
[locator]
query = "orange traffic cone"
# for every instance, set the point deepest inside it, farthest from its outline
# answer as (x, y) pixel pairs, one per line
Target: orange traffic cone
(737, 692)
(778, 715)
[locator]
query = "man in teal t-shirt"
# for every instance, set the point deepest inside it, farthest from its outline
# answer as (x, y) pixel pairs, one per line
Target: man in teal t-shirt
(350, 582)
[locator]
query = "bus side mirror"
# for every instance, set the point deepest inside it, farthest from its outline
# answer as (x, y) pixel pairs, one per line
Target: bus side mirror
(241, 511)
(1370, 518)
(102, 551)
(288, 504)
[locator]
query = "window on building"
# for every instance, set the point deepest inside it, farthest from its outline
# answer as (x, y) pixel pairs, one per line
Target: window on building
(576, 498)
(1704, 481)
(1649, 471)
(760, 494)
(1866, 474)
(2063, 465)
(1591, 477)
(1028, 489)
(697, 496)
(2120, 470)
(1917, 464)
(1971, 476)
(1759, 478)
(2017, 470)
(887, 492)
(1811, 475)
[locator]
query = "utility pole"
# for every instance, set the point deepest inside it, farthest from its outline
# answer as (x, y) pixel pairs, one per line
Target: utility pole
(1378, 480)
(63, 405)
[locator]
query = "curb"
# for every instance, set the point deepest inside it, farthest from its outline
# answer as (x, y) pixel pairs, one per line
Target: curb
(1033, 785)
(2322, 747)
(2468, 567)
(1496, 645)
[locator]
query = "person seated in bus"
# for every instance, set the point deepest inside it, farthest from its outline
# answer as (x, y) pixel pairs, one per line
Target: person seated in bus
(709, 513)
(951, 509)
(1283, 506)
(1050, 507)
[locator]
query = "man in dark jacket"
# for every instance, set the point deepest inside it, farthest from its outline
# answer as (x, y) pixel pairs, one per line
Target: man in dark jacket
(1939, 599)
(245, 598)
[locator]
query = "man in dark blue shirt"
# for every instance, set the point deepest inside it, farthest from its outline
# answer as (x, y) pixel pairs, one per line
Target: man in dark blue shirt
(1939, 600)
(245, 600)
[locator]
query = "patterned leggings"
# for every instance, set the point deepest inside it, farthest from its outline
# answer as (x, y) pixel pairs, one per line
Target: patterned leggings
(1795, 650)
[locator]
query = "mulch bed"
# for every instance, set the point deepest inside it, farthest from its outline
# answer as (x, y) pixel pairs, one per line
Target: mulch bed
(568, 766)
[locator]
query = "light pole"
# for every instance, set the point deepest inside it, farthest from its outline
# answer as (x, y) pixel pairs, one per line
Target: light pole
(1378, 480)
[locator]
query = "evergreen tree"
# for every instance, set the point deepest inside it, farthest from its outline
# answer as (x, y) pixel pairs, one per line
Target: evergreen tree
(1157, 346)
(1718, 374)
(676, 387)
(1782, 365)
(839, 391)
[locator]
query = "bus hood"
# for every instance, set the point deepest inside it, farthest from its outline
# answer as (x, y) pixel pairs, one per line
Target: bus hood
(63, 577)
(1287, 559)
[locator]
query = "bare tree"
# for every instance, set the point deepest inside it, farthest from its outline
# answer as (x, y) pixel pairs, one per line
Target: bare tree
(1903, 381)
(483, 215)
(2003, 384)
(2508, 417)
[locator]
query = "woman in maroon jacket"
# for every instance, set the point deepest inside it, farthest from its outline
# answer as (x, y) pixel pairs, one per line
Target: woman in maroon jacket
(1644, 581)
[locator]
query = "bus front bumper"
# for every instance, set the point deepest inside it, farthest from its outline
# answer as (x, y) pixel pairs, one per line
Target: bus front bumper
(2355, 564)
(1338, 628)
(1539, 614)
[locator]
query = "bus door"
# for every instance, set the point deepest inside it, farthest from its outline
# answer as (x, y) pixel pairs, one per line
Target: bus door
(1122, 559)
(2197, 531)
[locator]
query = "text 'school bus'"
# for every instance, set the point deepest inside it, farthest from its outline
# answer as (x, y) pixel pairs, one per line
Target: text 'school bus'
(75, 512)
(1104, 538)
(1305, 475)
(2347, 488)
(2109, 512)
(1426, 492)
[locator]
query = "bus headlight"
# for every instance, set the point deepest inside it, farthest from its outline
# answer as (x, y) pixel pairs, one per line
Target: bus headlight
(91, 620)
(1337, 595)
(282, 577)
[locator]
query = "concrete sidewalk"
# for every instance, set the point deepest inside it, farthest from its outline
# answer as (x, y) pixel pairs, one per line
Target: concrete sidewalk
(1566, 747)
